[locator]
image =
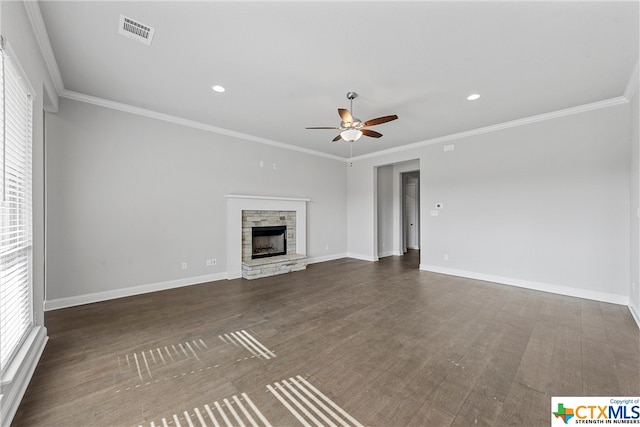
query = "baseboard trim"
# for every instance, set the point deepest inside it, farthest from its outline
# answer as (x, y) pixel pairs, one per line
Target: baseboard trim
(16, 383)
(635, 315)
(386, 254)
(234, 275)
(59, 303)
(538, 286)
(362, 257)
(325, 258)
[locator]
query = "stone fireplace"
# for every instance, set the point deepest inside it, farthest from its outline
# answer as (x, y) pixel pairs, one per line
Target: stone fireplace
(244, 213)
(263, 232)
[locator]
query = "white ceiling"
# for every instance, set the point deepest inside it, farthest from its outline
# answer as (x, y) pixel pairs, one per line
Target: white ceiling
(288, 65)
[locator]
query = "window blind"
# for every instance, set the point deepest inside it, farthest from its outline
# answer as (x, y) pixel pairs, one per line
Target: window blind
(16, 318)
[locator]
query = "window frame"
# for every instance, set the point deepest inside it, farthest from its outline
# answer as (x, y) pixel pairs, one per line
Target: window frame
(9, 366)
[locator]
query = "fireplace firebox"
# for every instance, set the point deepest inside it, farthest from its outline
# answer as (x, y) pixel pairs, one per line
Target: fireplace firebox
(268, 241)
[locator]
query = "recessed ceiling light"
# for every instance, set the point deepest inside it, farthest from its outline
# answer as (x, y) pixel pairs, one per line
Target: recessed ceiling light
(473, 97)
(218, 88)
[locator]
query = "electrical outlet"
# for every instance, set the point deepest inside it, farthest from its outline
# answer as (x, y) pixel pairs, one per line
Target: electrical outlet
(261, 164)
(213, 261)
(327, 248)
(208, 263)
(184, 265)
(275, 166)
(445, 257)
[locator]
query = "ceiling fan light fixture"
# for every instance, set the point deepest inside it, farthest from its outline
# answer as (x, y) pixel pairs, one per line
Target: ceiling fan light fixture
(351, 135)
(352, 128)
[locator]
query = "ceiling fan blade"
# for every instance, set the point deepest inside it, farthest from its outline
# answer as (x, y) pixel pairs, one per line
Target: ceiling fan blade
(380, 120)
(337, 138)
(323, 127)
(345, 115)
(371, 133)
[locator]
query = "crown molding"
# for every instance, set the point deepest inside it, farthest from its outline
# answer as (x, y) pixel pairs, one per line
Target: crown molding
(40, 31)
(632, 84)
(214, 129)
(76, 96)
(501, 126)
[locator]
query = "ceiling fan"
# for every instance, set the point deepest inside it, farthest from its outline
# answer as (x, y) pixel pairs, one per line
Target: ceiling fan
(353, 128)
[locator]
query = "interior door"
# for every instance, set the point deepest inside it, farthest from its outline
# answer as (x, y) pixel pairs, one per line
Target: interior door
(411, 217)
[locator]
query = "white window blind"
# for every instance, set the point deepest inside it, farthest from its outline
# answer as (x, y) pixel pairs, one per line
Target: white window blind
(16, 318)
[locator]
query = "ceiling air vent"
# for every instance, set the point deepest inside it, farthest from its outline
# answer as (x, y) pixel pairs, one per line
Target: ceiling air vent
(135, 30)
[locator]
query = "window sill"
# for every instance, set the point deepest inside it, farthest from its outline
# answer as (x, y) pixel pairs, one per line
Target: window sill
(16, 376)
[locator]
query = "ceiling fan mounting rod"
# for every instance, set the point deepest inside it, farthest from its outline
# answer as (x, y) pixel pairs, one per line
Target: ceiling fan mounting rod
(355, 124)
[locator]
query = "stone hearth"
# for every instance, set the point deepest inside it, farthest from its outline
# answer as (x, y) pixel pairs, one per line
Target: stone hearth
(265, 267)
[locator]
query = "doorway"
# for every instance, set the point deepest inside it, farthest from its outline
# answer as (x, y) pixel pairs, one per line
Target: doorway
(410, 210)
(397, 219)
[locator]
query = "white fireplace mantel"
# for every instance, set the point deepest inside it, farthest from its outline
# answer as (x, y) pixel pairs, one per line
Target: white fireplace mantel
(244, 196)
(236, 203)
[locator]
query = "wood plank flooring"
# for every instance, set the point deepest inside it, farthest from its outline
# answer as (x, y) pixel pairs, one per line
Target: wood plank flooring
(345, 342)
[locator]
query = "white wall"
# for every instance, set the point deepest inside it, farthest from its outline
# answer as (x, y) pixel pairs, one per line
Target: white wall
(634, 288)
(131, 198)
(361, 212)
(543, 204)
(385, 210)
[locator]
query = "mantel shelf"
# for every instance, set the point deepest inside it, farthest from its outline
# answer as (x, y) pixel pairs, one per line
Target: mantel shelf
(245, 196)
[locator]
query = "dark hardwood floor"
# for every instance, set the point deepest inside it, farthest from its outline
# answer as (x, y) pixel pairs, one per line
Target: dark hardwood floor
(345, 343)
